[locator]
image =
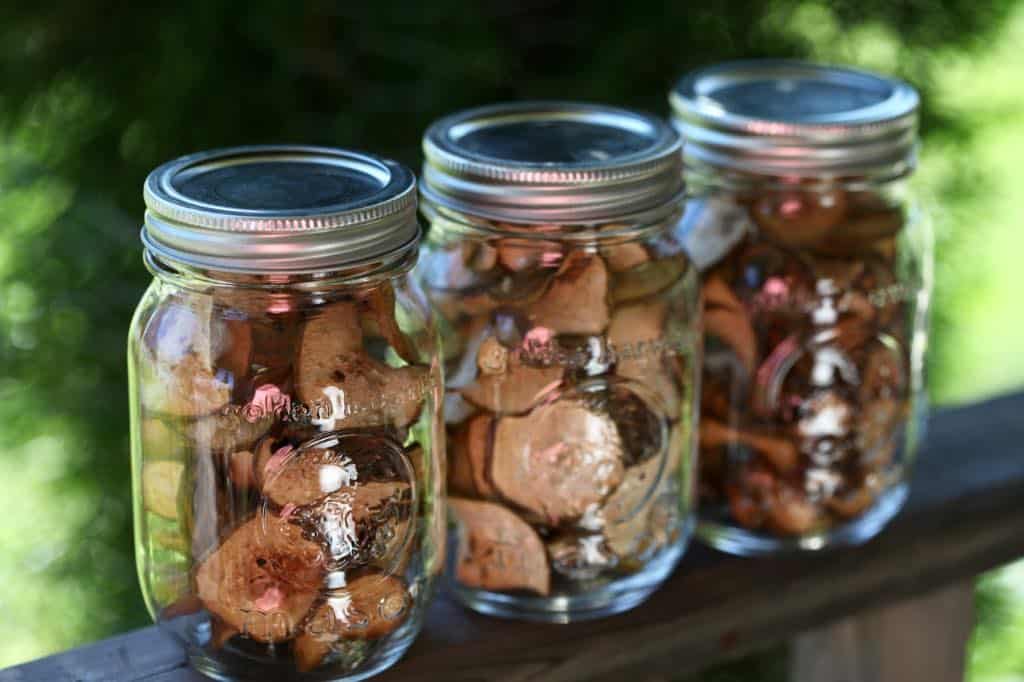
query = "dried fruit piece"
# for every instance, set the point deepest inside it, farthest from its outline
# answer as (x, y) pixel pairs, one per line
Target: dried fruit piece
(492, 357)
(859, 233)
(625, 255)
(179, 377)
(331, 334)
(780, 452)
(369, 607)
(576, 302)
(517, 390)
(161, 480)
(791, 513)
(228, 432)
(557, 460)
(626, 514)
(734, 329)
(852, 503)
(233, 344)
(647, 280)
(242, 469)
(263, 579)
(497, 550)
(467, 467)
(382, 322)
(799, 219)
(637, 335)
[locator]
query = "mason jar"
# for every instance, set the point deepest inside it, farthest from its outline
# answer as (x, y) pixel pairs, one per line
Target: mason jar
(568, 312)
(285, 413)
(816, 267)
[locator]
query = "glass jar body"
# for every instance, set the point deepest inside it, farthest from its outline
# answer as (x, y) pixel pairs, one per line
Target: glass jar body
(288, 486)
(572, 364)
(816, 298)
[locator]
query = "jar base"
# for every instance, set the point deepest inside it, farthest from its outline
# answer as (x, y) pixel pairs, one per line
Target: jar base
(241, 669)
(739, 541)
(615, 597)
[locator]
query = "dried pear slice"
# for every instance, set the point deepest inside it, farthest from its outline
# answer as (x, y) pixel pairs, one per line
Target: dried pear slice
(779, 451)
(626, 513)
(467, 467)
(647, 280)
(263, 579)
(382, 322)
(799, 219)
(637, 333)
(515, 391)
(230, 432)
(733, 328)
(558, 460)
(791, 513)
(369, 607)
(185, 388)
(161, 480)
(576, 302)
(179, 377)
(497, 550)
(625, 256)
(331, 333)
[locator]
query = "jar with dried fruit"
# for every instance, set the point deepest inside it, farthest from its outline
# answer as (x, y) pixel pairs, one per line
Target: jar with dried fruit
(817, 270)
(568, 313)
(286, 387)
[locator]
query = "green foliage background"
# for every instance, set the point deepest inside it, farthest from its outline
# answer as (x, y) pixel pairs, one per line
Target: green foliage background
(93, 95)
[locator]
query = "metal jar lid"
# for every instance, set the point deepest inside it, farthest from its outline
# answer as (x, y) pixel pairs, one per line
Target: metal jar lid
(781, 117)
(552, 162)
(279, 209)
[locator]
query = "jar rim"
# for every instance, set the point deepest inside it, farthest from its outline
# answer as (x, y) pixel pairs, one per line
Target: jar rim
(279, 208)
(551, 162)
(791, 117)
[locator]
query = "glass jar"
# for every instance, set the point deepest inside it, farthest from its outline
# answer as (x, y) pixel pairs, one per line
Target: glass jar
(569, 313)
(285, 410)
(817, 271)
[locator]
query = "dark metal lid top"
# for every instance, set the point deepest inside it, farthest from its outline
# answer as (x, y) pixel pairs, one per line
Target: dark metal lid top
(551, 162)
(790, 117)
(278, 209)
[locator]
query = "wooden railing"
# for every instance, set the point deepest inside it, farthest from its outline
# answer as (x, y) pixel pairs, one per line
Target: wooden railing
(965, 515)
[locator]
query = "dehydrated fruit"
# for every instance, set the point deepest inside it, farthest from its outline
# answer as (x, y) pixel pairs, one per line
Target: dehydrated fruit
(647, 279)
(557, 460)
(780, 452)
(580, 556)
(625, 255)
(161, 480)
(497, 550)
(514, 391)
(469, 458)
(626, 514)
(379, 320)
(263, 579)
(576, 302)
(369, 607)
(799, 219)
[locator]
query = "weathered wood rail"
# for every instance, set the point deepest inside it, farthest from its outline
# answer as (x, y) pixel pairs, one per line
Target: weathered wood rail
(965, 515)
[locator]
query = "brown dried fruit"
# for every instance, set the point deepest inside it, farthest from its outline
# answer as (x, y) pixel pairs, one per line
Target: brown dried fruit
(625, 256)
(853, 503)
(859, 233)
(648, 279)
(799, 219)
(230, 432)
(263, 579)
(626, 513)
(558, 460)
(492, 357)
(369, 607)
(380, 321)
(637, 335)
(232, 339)
(517, 390)
(791, 513)
(733, 328)
(497, 550)
(576, 302)
(779, 451)
(467, 466)
(242, 469)
(331, 334)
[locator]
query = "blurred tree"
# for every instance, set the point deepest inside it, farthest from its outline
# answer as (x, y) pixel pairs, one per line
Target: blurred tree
(96, 94)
